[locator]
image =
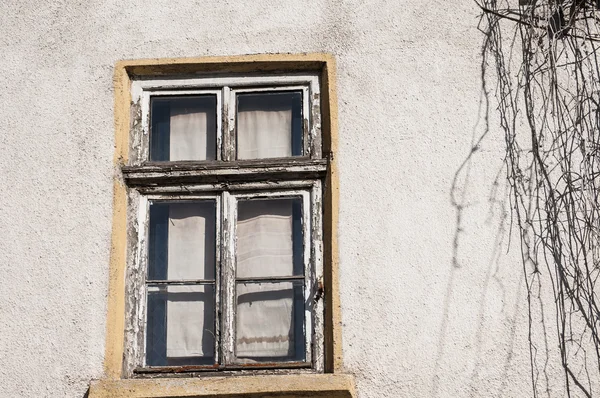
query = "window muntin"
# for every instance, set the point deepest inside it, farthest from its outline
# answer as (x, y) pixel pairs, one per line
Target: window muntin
(288, 290)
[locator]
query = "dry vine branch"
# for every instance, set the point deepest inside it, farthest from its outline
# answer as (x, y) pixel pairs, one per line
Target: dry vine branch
(545, 54)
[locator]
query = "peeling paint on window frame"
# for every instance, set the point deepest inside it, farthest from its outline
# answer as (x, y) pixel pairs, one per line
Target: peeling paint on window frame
(224, 180)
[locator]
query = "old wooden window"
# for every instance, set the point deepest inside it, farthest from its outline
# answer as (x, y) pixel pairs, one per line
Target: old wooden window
(225, 219)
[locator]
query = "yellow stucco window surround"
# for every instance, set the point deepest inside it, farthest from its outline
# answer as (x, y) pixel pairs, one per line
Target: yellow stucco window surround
(331, 383)
(323, 385)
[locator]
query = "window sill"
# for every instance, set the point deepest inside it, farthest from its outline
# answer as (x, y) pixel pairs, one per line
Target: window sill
(289, 386)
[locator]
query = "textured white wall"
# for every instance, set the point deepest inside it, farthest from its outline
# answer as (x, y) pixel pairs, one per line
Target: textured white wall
(426, 312)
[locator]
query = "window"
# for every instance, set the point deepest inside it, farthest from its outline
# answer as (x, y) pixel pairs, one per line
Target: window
(224, 188)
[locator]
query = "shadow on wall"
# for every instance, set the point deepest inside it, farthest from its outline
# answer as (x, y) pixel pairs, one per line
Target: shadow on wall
(461, 184)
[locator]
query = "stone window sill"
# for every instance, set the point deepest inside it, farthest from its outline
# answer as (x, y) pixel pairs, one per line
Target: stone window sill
(288, 386)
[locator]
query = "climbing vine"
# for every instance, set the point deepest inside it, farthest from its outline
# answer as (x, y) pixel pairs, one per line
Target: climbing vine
(544, 57)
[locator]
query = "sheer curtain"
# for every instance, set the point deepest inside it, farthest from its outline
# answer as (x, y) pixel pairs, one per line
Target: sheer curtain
(266, 323)
(191, 255)
(184, 128)
(193, 130)
(264, 126)
(181, 318)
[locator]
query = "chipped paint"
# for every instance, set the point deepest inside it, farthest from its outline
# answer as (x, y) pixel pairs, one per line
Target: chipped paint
(310, 62)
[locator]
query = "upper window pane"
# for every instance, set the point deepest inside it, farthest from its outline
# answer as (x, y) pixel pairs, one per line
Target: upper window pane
(182, 240)
(269, 125)
(183, 128)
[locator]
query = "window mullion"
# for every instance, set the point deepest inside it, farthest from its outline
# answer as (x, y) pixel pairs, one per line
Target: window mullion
(228, 279)
(139, 308)
(217, 285)
(306, 131)
(316, 277)
(308, 281)
(314, 117)
(228, 123)
(220, 123)
(232, 125)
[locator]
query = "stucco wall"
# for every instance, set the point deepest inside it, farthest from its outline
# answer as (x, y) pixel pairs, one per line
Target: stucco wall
(432, 303)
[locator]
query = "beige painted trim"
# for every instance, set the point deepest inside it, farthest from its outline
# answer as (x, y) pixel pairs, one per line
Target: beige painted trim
(324, 385)
(115, 318)
(124, 72)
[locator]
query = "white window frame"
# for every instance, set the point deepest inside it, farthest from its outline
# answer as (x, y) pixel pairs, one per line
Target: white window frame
(225, 89)
(225, 180)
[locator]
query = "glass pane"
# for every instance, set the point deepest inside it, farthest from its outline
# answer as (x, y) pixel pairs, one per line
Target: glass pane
(182, 240)
(269, 125)
(270, 321)
(181, 325)
(269, 238)
(183, 128)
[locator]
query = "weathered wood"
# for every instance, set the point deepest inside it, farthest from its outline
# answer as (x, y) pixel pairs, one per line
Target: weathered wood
(181, 282)
(306, 139)
(135, 294)
(208, 80)
(221, 115)
(270, 279)
(174, 173)
(189, 189)
(307, 209)
(227, 180)
(220, 368)
(218, 285)
(137, 138)
(228, 140)
(315, 296)
(211, 165)
(228, 279)
(315, 126)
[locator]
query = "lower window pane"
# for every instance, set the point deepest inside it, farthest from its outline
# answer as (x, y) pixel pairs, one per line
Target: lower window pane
(270, 322)
(180, 326)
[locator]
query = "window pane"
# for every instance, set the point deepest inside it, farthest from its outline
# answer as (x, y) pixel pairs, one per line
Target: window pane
(269, 125)
(180, 327)
(270, 321)
(183, 128)
(182, 240)
(269, 238)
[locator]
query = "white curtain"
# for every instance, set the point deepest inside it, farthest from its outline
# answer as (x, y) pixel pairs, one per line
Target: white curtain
(264, 130)
(265, 321)
(192, 130)
(264, 238)
(191, 255)
(190, 322)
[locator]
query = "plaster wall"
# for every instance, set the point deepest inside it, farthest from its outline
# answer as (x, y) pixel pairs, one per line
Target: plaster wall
(433, 301)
